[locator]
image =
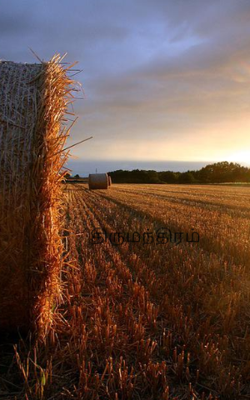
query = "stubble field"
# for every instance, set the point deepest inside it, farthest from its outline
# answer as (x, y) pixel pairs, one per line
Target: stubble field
(154, 318)
(164, 317)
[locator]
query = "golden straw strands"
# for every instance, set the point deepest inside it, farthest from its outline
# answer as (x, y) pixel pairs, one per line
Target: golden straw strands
(33, 103)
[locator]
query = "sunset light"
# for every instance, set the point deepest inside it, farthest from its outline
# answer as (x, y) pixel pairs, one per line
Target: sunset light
(242, 156)
(125, 200)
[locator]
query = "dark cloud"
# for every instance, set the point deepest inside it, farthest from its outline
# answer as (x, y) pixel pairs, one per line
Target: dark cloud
(158, 74)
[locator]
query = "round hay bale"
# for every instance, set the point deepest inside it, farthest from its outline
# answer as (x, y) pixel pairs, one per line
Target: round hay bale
(98, 181)
(33, 101)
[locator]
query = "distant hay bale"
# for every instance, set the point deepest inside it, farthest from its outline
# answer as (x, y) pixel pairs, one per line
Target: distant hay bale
(110, 180)
(98, 181)
(33, 101)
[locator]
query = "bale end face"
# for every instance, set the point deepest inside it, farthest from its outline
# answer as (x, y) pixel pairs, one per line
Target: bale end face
(98, 181)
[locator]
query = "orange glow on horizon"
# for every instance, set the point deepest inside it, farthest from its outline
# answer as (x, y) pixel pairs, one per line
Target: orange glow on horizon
(241, 156)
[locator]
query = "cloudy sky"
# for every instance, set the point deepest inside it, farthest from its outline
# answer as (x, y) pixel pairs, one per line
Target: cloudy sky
(164, 80)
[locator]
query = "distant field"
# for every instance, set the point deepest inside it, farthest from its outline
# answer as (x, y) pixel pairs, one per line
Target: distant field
(157, 318)
(162, 320)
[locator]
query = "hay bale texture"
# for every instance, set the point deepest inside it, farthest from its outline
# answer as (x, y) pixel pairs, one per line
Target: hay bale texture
(33, 102)
(98, 181)
(110, 180)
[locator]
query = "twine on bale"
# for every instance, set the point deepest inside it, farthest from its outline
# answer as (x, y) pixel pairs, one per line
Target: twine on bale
(33, 103)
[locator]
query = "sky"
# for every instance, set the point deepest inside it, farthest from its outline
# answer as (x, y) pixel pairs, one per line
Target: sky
(166, 83)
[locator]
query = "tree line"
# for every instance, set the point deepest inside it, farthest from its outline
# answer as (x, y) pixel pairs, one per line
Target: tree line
(221, 172)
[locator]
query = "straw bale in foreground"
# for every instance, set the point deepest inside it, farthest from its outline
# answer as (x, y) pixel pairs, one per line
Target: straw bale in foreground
(33, 101)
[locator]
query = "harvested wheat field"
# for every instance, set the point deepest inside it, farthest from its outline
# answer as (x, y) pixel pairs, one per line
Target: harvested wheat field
(149, 312)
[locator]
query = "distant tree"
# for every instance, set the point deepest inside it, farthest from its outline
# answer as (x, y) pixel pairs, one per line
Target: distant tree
(77, 176)
(168, 176)
(67, 176)
(186, 177)
(135, 176)
(213, 173)
(223, 172)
